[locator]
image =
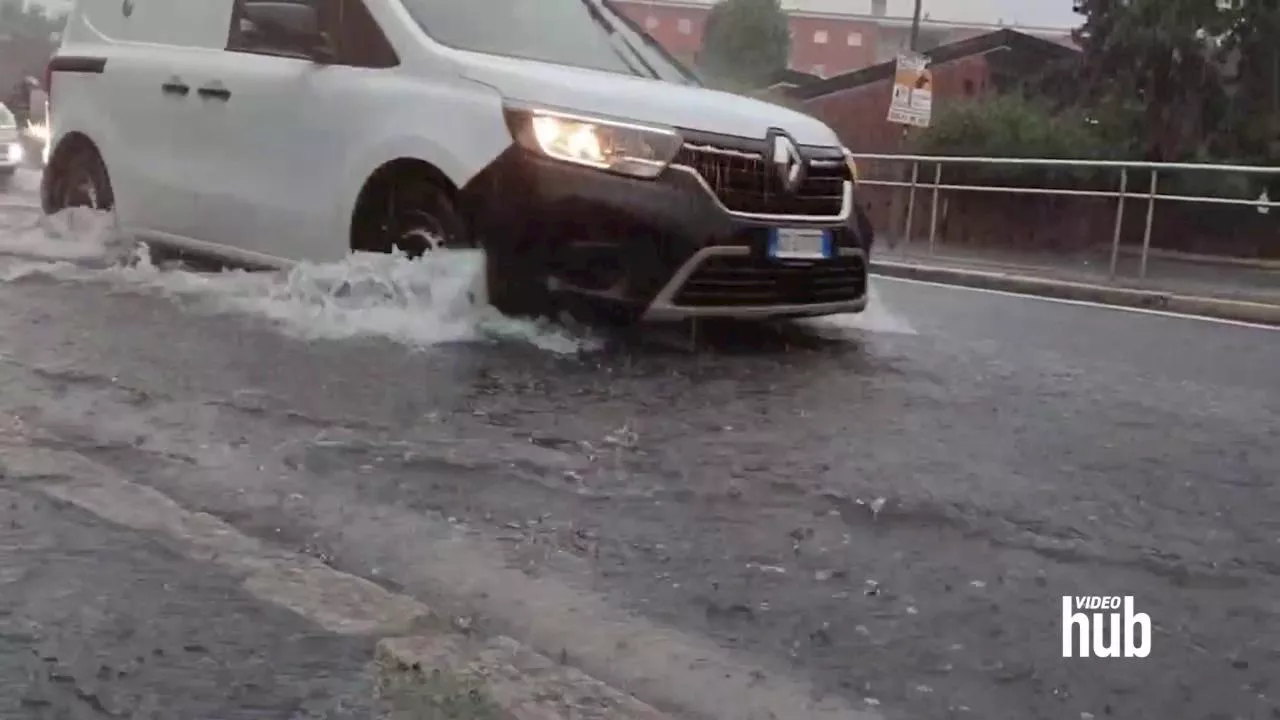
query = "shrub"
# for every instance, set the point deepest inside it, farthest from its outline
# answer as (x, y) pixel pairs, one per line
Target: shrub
(1012, 126)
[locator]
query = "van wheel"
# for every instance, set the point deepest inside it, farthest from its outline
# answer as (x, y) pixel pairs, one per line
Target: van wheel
(418, 216)
(79, 179)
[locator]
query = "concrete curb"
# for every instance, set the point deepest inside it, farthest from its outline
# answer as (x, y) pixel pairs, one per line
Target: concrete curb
(1237, 310)
(457, 676)
(1179, 256)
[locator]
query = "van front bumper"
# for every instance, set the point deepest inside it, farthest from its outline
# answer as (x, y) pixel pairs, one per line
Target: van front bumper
(667, 248)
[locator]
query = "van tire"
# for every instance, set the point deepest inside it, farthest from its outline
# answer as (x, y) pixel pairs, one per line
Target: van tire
(412, 212)
(514, 290)
(78, 178)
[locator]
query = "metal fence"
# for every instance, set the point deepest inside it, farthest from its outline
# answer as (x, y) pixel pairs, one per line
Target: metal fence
(1124, 194)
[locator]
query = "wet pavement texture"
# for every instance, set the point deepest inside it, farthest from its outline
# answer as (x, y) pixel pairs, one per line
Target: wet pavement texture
(893, 513)
(98, 622)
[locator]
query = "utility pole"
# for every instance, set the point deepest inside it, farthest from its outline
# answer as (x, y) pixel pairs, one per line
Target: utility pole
(915, 26)
(901, 174)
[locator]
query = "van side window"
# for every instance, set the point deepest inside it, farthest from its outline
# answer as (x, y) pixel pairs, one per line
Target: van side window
(273, 27)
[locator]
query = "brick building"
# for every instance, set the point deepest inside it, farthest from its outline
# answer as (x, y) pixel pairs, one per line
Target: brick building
(856, 104)
(823, 43)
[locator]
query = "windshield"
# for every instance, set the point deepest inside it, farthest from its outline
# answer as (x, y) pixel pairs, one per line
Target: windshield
(6, 118)
(581, 33)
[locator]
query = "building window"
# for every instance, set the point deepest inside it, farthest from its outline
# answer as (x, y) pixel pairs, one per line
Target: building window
(854, 39)
(820, 37)
(820, 70)
(685, 25)
(651, 23)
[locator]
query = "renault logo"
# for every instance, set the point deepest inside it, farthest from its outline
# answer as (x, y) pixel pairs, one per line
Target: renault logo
(788, 167)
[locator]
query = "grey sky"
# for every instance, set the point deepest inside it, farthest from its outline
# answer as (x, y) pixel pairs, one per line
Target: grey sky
(1051, 13)
(1039, 13)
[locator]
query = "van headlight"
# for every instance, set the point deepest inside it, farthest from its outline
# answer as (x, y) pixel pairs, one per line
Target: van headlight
(14, 152)
(637, 150)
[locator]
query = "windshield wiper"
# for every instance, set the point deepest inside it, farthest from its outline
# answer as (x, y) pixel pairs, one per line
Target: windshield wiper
(598, 16)
(652, 44)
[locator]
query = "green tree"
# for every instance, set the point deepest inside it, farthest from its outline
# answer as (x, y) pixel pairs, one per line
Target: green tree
(1251, 60)
(1162, 55)
(746, 44)
(1013, 125)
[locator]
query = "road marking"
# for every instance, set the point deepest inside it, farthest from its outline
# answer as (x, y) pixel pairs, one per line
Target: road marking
(686, 671)
(339, 602)
(1084, 303)
(415, 672)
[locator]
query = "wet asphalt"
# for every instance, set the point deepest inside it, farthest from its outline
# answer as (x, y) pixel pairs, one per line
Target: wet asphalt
(893, 513)
(99, 622)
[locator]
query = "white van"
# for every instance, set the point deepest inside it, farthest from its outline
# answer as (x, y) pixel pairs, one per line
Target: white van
(554, 134)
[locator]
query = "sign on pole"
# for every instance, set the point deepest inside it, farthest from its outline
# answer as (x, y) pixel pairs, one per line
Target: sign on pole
(912, 102)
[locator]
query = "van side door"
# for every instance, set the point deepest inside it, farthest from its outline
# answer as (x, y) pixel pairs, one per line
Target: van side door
(281, 122)
(140, 109)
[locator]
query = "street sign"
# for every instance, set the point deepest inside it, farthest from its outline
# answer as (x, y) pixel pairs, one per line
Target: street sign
(912, 101)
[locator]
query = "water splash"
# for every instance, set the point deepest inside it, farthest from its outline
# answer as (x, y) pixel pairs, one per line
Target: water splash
(437, 299)
(433, 300)
(76, 234)
(877, 318)
(39, 132)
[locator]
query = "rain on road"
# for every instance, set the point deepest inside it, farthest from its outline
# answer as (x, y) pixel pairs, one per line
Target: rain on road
(890, 508)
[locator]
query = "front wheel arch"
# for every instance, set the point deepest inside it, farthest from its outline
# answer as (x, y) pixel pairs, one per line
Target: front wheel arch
(513, 286)
(379, 182)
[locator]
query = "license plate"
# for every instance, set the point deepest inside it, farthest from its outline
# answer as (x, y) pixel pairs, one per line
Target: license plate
(800, 244)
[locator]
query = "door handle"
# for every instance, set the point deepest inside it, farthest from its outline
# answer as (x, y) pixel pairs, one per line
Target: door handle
(175, 87)
(214, 93)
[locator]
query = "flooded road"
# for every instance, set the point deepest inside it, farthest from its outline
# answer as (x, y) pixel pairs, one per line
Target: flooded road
(884, 511)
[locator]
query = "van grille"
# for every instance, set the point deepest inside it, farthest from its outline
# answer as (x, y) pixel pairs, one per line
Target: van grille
(746, 281)
(743, 180)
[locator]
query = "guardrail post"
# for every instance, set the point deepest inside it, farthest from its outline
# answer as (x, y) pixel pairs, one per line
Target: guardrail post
(933, 213)
(911, 202)
(1151, 213)
(1115, 239)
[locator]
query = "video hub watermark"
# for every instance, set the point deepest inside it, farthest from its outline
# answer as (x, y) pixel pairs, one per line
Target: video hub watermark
(1104, 626)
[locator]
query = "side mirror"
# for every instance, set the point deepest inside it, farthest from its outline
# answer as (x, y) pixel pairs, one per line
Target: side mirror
(291, 25)
(322, 50)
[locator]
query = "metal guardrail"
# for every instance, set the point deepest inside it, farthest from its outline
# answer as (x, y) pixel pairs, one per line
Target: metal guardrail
(1151, 195)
